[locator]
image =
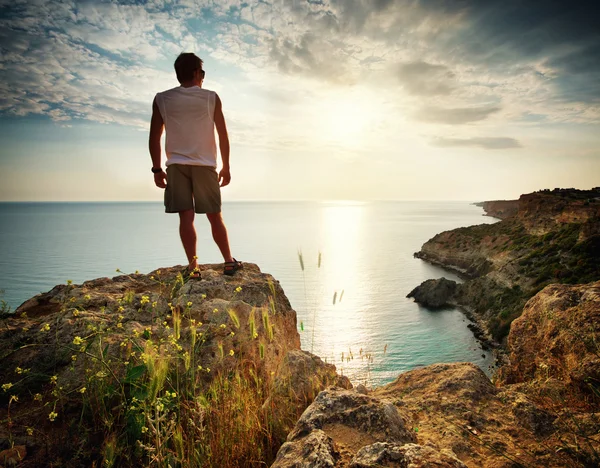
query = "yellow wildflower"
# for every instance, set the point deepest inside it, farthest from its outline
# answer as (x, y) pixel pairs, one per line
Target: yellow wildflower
(238, 289)
(7, 386)
(77, 340)
(45, 327)
(82, 390)
(231, 352)
(52, 416)
(144, 430)
(75, 313)
(29, 431)
(54, 379)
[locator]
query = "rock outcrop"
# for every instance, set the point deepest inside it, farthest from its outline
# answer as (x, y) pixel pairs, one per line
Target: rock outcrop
(500, 209)
(566, 319)
(554, 237)
(102, 345)
(452, 415)
(434, 293)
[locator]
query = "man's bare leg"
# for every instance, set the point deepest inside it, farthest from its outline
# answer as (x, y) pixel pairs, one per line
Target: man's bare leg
(219, 233)
(187, 232)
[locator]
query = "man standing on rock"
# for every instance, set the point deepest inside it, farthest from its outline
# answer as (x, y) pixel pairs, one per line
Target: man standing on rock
(192, 185)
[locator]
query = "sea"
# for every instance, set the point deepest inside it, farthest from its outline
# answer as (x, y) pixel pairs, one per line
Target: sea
(349, 291)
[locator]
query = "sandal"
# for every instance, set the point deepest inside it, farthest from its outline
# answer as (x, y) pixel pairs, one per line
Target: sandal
(231, 267)
(192, 274)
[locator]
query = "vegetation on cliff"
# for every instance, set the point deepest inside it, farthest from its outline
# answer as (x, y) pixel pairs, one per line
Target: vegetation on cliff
(155, 370)
(554, 237)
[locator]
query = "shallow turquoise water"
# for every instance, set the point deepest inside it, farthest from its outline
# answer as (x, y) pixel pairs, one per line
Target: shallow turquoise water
(367, 252)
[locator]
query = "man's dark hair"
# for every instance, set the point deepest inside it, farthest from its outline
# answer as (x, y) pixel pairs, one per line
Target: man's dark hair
(185, 66)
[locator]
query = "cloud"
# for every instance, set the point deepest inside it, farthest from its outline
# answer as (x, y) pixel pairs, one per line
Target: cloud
(491, 143)
(425, 79)
(312, 57)
(456, 116)
(103, 61)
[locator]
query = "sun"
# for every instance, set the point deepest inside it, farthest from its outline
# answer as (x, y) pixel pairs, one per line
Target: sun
(346, 118)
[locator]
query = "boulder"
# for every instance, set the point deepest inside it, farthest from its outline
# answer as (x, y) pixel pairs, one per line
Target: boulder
(351, 420)
(434, 293)
(384, 454)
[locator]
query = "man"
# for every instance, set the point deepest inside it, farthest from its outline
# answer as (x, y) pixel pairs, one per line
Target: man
(190, 115)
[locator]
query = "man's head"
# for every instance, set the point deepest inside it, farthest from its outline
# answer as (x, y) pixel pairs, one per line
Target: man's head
(186, 67)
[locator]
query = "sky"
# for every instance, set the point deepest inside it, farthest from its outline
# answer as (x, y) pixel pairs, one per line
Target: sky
(324, 99)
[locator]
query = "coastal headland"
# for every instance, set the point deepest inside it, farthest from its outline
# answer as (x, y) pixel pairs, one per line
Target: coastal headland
(157, 369)
(543, 238)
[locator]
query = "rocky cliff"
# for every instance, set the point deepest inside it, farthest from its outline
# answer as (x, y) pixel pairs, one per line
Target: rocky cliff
(500, 209)
(158, 370)
(542, 412)
(554, 237)
(155, 369)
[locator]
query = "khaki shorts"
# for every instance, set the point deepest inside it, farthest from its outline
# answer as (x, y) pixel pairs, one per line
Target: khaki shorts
(192, 187)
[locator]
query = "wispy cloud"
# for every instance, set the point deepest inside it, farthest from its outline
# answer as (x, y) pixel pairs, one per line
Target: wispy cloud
(492, 143)
(425, 79)
(456, 116)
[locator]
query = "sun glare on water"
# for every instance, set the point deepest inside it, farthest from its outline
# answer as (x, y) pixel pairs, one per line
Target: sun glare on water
(341, 323)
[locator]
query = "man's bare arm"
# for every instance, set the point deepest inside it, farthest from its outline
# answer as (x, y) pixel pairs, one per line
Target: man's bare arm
(224, 174)
(156, 129)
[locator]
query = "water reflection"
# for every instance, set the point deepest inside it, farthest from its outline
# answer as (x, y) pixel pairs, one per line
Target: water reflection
(344, 328)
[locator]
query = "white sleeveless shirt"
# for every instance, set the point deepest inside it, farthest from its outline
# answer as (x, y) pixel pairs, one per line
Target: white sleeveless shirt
(188, 114)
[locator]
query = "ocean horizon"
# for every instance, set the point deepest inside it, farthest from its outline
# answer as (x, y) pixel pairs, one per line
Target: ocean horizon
(367, 261)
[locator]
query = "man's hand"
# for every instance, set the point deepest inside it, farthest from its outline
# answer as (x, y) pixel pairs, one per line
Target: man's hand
(224, 177)
(160, 179)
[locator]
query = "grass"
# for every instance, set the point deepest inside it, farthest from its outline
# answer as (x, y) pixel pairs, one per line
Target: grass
(146, 399)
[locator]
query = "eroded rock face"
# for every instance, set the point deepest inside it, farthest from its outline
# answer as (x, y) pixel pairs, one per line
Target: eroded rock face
(434, 293)
(555, 339)
(316, 451)
(351, 420)
(384, 454)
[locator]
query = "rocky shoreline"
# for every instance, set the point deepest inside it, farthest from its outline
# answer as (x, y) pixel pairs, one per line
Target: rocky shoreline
(543, 238)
